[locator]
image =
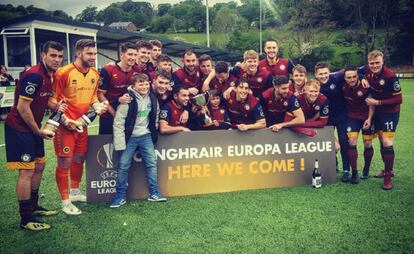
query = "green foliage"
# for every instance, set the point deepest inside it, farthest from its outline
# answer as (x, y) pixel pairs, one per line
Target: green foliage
(8, 12)
(239, 42)
(227, 20)
(112, 14)
(88, 14)
(162, 24)
(311, 54)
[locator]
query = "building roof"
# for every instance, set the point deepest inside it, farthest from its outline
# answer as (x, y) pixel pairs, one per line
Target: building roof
(120, 24)
(110, 38)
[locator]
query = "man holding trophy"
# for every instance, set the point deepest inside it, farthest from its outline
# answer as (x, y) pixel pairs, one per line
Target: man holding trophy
(24, 137)
(77, 84)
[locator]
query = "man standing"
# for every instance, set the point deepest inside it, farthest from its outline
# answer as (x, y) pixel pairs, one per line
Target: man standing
(273, 63)
(170, 112)
(359, 117)
(114, 83)
(331, 87)
(143, 57)
(161, 86)
(24, 139)
(155, 52)
(387, 98)
(281, 106)
(222, 79)
(77, 83)
(245, 110)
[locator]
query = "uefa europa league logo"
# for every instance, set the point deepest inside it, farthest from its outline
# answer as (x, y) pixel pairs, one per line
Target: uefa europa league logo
(105, 156)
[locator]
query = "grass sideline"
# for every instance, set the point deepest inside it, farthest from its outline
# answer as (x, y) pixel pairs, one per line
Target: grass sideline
(339, 218)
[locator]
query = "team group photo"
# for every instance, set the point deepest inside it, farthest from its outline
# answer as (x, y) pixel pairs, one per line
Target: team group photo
(256, 127)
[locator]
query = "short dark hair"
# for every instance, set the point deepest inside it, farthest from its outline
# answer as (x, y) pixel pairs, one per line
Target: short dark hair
(143, 44)
(177, 89)
(138, 77)
(269, 40)
(221, 67)
(240, 81)
(204, 57)
(84, 43)
(163, 73)
(214, 93)
(189, 52)
(280, 80)
(321, 65)
(51, 44)
(127, 45)
(350, 68)
(156, 43)
(163, 58)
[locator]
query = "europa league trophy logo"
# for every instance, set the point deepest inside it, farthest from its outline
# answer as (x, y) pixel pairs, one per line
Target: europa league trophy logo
(201, 101)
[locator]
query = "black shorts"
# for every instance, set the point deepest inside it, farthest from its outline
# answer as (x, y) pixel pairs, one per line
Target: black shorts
(386, 123)
(354, 126)
(106, 126)
(23, 149)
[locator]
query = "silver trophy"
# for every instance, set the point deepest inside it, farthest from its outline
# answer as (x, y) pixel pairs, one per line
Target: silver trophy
(201, 101)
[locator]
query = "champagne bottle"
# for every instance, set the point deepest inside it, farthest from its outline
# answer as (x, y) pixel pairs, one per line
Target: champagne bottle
(53, 123)
(316, 176)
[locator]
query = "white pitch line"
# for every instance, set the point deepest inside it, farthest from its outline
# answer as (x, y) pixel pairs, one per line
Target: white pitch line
(2, 145)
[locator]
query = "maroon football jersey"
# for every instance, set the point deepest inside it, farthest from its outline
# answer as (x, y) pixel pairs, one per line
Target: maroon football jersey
(181, 76)
(35, 85)
(356, 106)
(222, 87)
(277, 108)
(320, 105)
(282, 67)
(171, 112)
(384, 86)
(258, 82)
(244, 112)
(114, 81)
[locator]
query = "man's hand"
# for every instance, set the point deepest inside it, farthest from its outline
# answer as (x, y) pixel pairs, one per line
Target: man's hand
(226, 94)
(242, 127)
(70, 124)
(365, 83)
(216, 123)
(185, 129)
(276, 127)
(184, 117)
(125, 99)
(367, 124)
(193, 90)
(372, 102)
(62, 106)
(46, 134)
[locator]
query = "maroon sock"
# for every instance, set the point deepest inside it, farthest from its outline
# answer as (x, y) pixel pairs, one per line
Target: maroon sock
(388, 158)
(25, 210)
(34, 198)
(368, 154)
(353, 157)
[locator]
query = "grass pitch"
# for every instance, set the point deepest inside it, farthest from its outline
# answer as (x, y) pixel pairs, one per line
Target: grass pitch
(339, 218)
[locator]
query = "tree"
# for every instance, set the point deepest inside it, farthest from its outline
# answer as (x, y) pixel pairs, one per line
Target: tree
(227, 20)
(163, 9)
(111, 14)
(162, 24)
(88, 14)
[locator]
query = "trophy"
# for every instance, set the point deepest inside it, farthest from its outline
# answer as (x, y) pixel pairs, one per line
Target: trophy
(201, 101)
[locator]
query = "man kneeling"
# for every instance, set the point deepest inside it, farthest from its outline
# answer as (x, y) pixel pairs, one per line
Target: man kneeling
(135, 129)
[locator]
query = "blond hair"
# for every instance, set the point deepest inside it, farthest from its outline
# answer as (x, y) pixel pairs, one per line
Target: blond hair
(299, 68)
(375, 53)
(250, 54)
(313, 83)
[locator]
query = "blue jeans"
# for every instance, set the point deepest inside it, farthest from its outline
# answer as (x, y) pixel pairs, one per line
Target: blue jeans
(145, 147)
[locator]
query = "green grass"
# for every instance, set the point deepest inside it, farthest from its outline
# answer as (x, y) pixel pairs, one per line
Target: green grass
(339, 218)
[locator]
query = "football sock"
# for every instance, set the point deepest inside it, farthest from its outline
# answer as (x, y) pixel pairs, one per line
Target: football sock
(62, 175)
(34, 198)
(76, 170)
(388, 157)
(25, 210)
(368, 154)
(353, 157)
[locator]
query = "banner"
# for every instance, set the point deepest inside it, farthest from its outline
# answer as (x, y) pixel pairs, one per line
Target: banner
(7, 96)
(216, 161)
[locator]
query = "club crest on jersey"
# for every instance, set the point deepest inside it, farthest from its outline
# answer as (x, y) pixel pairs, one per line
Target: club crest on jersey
(30, 89)
(382, 82)
(317, 107)
(332, 86)
(282, 67)
(259, 79)
(349, 129)
(247, 107)
(325, 110)
(115, 75)
(232, 84)
(25, 157)
(221, 111)
(285, 103)
(360, 93)
(93, 81)
(397, 86)
(66, 149)
(163, 114)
